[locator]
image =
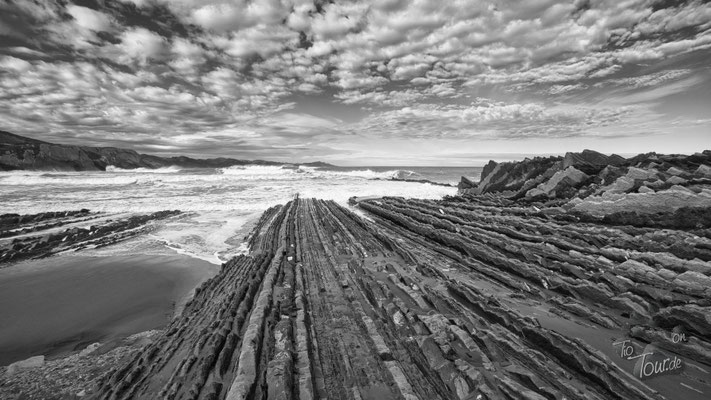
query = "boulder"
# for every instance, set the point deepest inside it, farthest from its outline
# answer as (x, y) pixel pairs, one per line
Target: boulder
(703, 170)
(591, 161)
(465, 185)
(32, 362)
(676, 171)
(560, 184)
(677, 180)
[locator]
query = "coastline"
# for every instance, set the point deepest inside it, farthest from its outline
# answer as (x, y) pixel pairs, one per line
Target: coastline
(59, 305)
(509, 288)
(322, 282)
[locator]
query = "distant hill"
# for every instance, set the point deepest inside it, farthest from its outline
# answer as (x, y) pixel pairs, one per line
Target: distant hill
(22, 153)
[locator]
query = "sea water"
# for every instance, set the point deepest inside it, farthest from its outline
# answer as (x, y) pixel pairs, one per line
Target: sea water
(219, 204)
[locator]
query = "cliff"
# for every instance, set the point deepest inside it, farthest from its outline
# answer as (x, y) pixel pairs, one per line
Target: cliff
(22, 153)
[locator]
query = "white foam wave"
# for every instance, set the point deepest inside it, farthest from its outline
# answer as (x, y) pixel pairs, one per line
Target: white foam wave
(258, 172)
(370, 174)
(165, 170)
(252, 170)
(70, 178)
(219, 201)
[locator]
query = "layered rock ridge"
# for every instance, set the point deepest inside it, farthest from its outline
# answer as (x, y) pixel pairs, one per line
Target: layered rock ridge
(465, 298)
(45, 234)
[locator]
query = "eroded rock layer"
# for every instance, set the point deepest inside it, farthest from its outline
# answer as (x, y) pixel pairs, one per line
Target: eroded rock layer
(41, 235)
(469, 299)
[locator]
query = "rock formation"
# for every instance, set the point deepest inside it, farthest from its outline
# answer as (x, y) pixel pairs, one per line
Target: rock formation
(45, 234)
(645, 190)
(474, 297)
(544, 281)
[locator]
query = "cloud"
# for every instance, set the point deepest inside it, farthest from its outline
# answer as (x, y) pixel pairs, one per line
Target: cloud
(394, 68)
(486, 119)
(141, 45)
(234, 16)
(9, 63)
(88, 18)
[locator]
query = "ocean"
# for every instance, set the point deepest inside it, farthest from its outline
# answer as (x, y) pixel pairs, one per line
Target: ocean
(219, 204)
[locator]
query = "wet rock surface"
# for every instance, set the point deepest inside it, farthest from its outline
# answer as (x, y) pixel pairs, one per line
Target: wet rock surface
(476, 297)
(42, 235)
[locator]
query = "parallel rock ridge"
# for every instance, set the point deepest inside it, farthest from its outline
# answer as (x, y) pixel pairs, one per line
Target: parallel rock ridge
(42, 235)
(467, 298)
(646, 190)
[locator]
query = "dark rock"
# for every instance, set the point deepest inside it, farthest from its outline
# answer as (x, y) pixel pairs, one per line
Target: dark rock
(590, 161)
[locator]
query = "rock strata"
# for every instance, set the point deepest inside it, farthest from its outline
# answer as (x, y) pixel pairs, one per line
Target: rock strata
(464, 298)
(42, 235)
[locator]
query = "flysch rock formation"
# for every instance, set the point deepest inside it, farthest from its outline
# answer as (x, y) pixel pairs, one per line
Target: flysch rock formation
(45, 234)
(472, 297)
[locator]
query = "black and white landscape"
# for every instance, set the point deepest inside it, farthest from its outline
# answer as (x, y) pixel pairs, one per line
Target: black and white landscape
(396, 199)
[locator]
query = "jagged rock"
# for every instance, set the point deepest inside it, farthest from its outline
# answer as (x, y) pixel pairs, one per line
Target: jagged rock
(676, 171)
(695, 318)
(108, 232)
(425, 299)
(32, 362)
(689, 346)
(703, 170)
(560, 184)
(466, 185)
(512, 176)
(590, 161)
(676, 180)
(664, 201)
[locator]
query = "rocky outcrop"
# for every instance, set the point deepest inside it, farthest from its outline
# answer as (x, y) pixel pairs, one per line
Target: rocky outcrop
(561, 184)
(42, 235)
(71, 377)
(21, 153)
(653, 190)
(515, 177)
(590, 161)
(466, 185)
(473, 298)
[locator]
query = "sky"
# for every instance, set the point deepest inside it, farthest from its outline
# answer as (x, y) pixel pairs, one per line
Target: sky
(376, 82)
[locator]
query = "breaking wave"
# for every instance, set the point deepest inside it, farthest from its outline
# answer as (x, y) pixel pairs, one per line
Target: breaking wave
(218, 202)
(165, 170)
(259, 172)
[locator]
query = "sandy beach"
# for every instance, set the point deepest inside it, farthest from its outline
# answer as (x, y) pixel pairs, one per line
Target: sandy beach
(58, 305)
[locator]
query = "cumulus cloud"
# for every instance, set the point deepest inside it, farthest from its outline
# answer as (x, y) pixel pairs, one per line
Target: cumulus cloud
(405, 68)
(486, 119)
(140, 45)
(88, 18)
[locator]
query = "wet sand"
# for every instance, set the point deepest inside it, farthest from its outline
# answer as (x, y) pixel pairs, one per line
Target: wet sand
(62, 304)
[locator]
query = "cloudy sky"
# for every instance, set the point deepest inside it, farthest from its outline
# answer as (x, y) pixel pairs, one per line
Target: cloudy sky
(377, 82)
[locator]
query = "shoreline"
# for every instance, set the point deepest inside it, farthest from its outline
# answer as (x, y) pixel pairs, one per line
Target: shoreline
(59, 305)
(477, 310)
(509, 289)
